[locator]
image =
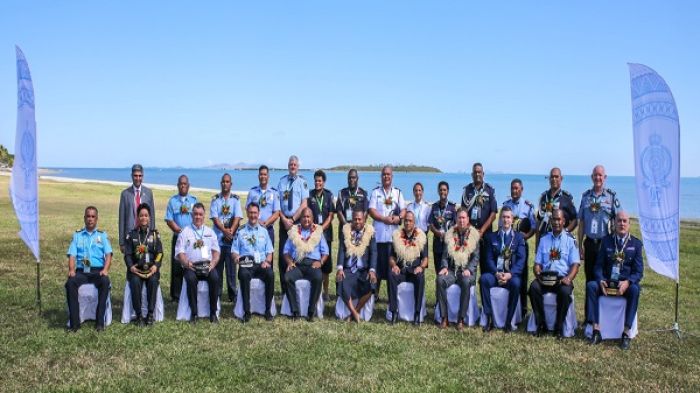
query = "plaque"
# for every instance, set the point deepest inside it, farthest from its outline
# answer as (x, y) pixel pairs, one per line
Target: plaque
(549, 278)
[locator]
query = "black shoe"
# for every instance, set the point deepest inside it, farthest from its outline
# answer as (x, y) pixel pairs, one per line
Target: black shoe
(295, 316)
(596, 338)
(149, 319)
(140, 322)
(100, 328)
(72, 329)
(541, 331)
(268, 316)
(508, 328)
(416, 319)
(213, 319)
(193, 318)
(489, 324)
(246, 317)
(625, 342)
(310, 317)
(394, 317)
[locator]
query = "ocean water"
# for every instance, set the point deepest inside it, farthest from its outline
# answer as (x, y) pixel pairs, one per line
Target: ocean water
(534, 184)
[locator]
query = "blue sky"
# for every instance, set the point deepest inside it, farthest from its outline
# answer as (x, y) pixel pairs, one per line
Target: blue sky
(518, 87)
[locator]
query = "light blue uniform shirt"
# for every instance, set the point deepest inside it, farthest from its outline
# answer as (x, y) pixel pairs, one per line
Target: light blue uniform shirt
(596, 224)
(174, 210)
(522, 210)
(568, 250)
(91, 245)
(271, 197)
(252, 241)
(320, 249)
(216, 210)
(292, 192)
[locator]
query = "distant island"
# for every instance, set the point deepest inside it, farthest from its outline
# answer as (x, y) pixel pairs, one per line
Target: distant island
(378, 168)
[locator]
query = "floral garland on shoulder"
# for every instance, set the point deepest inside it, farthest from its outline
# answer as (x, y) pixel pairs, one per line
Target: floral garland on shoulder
(304, 246)
(461, 252)
(358, 250)
(408, 250)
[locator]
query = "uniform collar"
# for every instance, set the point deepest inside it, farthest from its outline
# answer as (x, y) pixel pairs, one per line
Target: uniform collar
(557, 236)
(507, 233)
(260, 187)
(88, 232)
(252, 226)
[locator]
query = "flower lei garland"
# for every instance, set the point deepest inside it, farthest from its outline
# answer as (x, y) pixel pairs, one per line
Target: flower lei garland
(408, 249)
(304, 246)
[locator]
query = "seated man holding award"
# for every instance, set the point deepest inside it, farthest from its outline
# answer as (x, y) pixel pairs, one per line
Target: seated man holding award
(143, 252)
(407, 262)
(618, 271)
(305, 252)
(357, 263)
(556, 265)
(197, 249)
(252, 251)
(505, 260)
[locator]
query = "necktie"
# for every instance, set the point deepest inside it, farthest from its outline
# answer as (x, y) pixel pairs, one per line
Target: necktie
(289, 195)
(138, 202)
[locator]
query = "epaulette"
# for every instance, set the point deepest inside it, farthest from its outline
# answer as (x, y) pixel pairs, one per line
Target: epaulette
(587, 192)
(235, 196)
(271, 188)
(609, 191)
(571, 235)
(564, 192)
(529, 203)
(100, 231)
(79, 230)
(215, 196)
(488, 185)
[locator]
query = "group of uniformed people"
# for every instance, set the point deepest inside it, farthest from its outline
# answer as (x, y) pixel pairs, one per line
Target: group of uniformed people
(394, 248)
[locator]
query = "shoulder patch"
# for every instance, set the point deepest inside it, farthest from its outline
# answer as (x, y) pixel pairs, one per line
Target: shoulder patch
(529, 203)
(271, 188)
(609, 191)
(215, 196)
(235, 196)
(78, 230)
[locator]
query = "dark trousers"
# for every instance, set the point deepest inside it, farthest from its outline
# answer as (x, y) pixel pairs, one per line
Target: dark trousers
(590, 256)
(593, 293)
(444, 282)
(523, 279)
(192, 281)
(136, 287)
(225, 261)
(245, 274)
(176, 272)
(482, 255)
(383, 251)
(305, 272)
(437, 254)
(101, 283)
(406, 275)
(488, 281)
(563, 292)
(281, 263)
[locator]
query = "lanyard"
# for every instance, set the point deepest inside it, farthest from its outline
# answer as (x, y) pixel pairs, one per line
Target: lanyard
(198, 235)
(319, 201)
(624, 243)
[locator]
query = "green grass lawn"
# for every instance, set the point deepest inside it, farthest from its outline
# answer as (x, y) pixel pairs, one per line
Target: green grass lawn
(36, 354)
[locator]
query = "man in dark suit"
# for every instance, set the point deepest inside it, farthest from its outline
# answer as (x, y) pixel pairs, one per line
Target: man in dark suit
(618, 271)
(357, 263)
(505, 261)
(129, 200)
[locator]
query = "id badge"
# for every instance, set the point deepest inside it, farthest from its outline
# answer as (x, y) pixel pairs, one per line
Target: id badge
(256, 255)
(615, 274)
(148, 257)
(546, 217)
(205, 252)
(348, 215)
(594, 226)
(86, 268)
(319, 219)
(500, 264)
(475, 214)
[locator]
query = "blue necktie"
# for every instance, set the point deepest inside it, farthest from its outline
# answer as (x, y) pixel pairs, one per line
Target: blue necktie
(290, 193)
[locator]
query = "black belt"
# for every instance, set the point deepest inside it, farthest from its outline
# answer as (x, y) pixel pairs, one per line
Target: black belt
(595, 241)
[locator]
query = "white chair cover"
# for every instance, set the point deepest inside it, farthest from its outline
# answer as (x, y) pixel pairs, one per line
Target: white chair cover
(453, 292)
(612, 318)
(550, 315)
(87, 304)
(499, 304)
(342, 311)
(183, 306)
(303, 293)
(257, 300)
(406, 304)
(128, 312)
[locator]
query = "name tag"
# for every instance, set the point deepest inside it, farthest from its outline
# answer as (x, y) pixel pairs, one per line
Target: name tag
(148, 257)
(594, 226)
(319, 219)
(205, 253)
(348, 215)
(475, 214)
(257, 257)
(500, 264)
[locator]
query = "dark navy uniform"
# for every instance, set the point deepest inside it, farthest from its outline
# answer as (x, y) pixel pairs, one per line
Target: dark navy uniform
(562, 200)
(523, 221)
(480, 204)
(143, 249)
(596, 216)
(629, 268)
(350, 200)
(89, 250)
(505, 253)
(321, 207)
(442, 218)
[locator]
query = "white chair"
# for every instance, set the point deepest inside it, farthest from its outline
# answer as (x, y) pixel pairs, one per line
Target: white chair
(257, 300)
(453, 292)
(87, 304)
(550, 316)
(612, 318)
(406, 304)
(183, 307)
(128, 312)
(499, 305)
(342, 311)
(303, 288)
